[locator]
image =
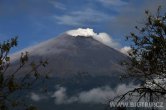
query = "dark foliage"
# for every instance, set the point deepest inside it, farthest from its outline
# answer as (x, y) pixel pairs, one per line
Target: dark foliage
(148, 61)
(10, 84)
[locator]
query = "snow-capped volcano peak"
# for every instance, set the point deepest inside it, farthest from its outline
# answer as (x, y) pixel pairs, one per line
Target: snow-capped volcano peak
(103, 37)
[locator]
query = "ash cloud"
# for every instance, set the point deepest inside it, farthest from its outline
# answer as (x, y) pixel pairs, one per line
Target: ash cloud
(103, 37)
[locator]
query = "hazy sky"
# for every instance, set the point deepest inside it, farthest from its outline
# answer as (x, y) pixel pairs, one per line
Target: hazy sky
(37, 20)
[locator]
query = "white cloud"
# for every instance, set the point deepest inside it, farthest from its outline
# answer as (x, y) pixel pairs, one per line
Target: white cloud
(38, 97)
(103, 94)
(95, 95)
(58, 5)
(101, 37)
(125, 50)
(82, 17)
(60, 95)
(107, 40)
(113, 2)
(35, 97)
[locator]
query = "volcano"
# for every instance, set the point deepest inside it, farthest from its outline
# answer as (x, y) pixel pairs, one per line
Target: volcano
(68, 55)
(84, 72)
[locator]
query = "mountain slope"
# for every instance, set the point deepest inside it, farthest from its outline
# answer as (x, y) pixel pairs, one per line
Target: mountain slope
(68, 55)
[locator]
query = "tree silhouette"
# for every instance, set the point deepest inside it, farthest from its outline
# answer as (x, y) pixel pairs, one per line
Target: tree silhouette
(10, 83)
(147, 61)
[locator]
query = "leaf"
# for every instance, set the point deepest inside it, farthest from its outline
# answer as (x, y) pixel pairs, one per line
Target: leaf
(1, 79)
(47, 77)
(1, 62)
(7, 58)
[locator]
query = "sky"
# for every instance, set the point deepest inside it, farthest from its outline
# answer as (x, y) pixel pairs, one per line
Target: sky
(35, 21)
